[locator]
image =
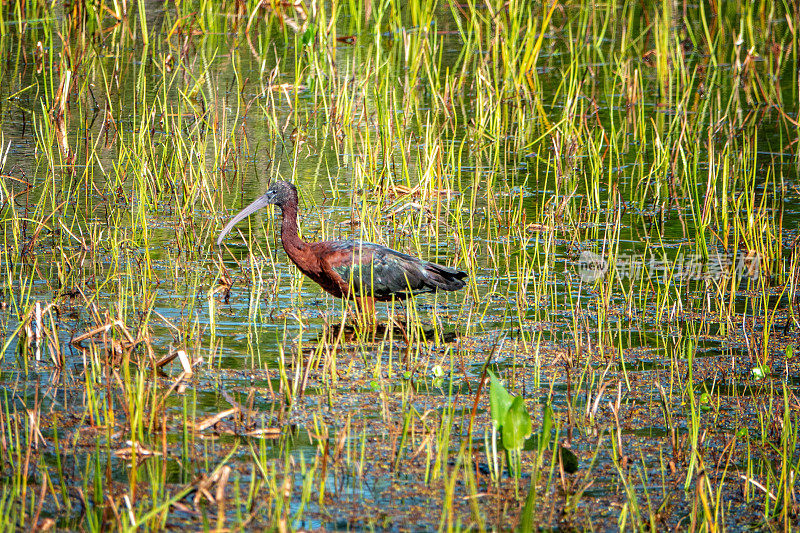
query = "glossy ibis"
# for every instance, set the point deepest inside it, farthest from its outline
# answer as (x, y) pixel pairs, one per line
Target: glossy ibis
(343, 268)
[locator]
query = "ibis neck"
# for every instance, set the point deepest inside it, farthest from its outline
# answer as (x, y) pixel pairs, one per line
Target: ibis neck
(290, 237)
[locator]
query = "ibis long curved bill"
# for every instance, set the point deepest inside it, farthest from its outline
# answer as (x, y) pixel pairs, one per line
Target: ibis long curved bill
(259, 203)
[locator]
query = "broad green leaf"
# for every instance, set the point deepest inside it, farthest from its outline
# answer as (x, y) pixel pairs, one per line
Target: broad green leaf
(308, 35)
(547, 427)
(499, 400)
(705, 401)
(517, 425)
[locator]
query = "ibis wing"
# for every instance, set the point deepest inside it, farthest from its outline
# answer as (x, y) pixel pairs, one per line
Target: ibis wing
(379, 272)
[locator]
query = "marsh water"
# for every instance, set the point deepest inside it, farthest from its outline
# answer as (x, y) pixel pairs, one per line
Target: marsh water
(629, 223)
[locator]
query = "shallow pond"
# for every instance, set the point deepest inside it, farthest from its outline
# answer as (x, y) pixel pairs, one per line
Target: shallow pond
(620, 187)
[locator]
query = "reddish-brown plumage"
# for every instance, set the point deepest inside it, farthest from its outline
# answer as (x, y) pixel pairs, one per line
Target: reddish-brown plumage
(315, 261)
(343, 267)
